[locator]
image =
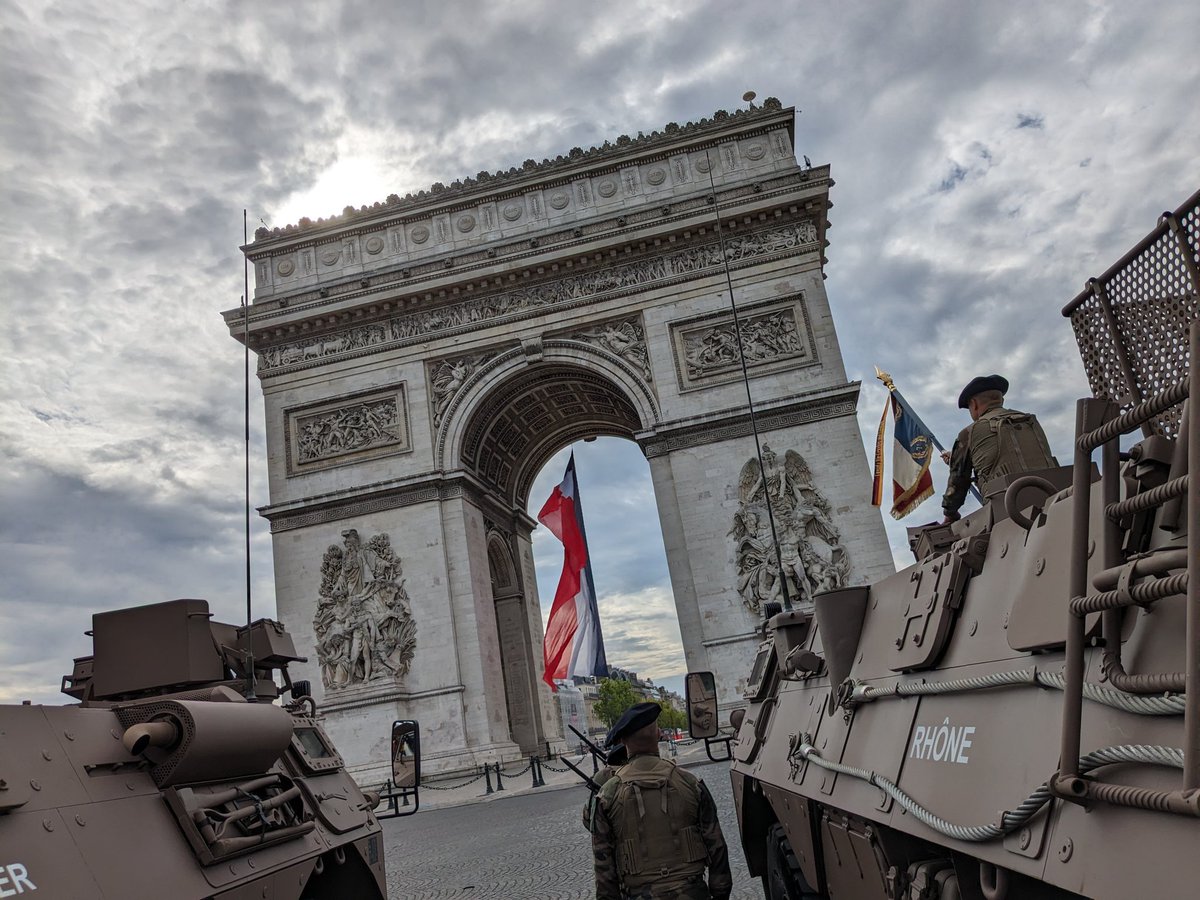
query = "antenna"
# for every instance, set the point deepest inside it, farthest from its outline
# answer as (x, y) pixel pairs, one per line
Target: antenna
(737, 333)
(249, 693)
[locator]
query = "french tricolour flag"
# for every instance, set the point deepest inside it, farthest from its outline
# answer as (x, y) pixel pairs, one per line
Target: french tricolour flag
(912, 451)
(573, 642)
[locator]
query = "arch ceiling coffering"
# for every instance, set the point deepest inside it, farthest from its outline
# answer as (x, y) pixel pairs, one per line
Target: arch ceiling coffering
(522, 423)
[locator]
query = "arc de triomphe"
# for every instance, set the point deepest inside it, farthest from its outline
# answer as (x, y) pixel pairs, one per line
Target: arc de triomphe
(422, 359)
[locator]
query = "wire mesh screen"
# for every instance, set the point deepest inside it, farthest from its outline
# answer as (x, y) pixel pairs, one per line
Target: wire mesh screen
(1142, 335)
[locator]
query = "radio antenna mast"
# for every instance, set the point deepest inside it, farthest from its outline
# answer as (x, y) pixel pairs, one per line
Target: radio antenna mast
(748, 97)
(249, 692)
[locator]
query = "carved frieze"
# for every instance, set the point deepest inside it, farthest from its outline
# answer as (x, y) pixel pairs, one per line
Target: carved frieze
(349, 429)
(624, 338)
(775, 335)
(446, 378)
(810, 558)
(364, 626)
(690, 262)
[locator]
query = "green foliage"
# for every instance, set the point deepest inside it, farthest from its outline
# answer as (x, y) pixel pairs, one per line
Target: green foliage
(616, 696)
(672, 718)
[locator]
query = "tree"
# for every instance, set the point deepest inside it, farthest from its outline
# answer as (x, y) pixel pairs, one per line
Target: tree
(616, 696)
(672, 718)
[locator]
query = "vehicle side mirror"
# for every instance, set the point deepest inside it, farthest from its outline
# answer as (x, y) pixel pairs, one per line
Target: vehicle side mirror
(406, 754)
(701, 690)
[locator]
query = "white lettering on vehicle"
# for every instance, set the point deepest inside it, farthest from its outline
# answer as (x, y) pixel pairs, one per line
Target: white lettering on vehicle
(18, 876)
(942, 743)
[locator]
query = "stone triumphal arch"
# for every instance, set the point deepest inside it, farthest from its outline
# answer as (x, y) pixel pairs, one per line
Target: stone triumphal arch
(422, 358)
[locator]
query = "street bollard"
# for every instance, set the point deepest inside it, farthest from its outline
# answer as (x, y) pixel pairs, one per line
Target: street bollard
(499, 778)
(541, 775)
(487, 774)
(533, 770)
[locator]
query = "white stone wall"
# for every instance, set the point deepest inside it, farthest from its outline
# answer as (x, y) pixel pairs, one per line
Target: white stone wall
(454, 687)
(697, 491)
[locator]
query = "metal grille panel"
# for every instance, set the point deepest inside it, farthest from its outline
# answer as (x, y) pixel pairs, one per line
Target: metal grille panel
(1133, 326)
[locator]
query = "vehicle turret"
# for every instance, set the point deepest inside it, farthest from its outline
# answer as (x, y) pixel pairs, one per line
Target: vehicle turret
(185, 770)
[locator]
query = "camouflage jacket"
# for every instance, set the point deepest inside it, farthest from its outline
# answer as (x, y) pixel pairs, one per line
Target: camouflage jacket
(607, 836)
(979, 453)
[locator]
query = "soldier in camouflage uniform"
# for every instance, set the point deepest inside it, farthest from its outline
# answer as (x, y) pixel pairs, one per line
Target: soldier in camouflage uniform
(654, 825)
(998, 442)
(615, 759)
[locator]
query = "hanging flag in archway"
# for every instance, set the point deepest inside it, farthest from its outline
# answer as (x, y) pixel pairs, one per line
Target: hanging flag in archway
(573, 645)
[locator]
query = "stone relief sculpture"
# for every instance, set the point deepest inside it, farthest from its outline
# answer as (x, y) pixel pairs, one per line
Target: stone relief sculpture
(811, 556)
(358, 427)
(363, 624)
(625, 339)
(446, 379)
(408, 328)
(764, 338)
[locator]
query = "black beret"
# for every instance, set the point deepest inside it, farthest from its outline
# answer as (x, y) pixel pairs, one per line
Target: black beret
(636, 717)
(981, 384)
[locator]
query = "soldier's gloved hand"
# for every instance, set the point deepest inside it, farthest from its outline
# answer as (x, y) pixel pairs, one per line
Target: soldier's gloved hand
(946, 457)
(951, 517)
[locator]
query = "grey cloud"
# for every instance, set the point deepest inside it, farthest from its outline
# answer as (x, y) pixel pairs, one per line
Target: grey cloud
(130, 141)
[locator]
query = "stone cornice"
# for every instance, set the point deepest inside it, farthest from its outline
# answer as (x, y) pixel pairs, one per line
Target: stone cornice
(600, 280)
(726, 424)
(334, 506)
(488, 185)
(389, 692)
(440, 278)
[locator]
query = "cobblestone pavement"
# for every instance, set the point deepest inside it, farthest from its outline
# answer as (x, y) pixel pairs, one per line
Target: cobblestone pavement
(528, 846)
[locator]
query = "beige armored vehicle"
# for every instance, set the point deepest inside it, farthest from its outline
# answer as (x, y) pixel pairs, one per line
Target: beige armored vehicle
(1017, 714)
(177, 775)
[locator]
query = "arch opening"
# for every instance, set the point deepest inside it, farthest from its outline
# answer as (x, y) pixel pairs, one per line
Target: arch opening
(520, 424)
(516, 440)
(638, 613)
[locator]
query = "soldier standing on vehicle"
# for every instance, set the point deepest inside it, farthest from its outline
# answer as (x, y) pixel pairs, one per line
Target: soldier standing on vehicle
(654, 825)
(998, 442)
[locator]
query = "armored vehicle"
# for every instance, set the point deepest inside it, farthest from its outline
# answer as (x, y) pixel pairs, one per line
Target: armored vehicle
(178, 775)
(1017, 714)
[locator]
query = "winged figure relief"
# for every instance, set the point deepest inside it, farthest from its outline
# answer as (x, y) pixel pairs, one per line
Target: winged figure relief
(783, 533)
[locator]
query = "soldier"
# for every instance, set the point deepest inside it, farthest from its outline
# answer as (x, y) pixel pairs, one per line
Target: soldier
(654, 825)
(998, 442)
(616, 758)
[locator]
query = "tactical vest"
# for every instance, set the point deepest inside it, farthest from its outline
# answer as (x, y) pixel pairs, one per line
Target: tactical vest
(1021, 444)
(654, 810)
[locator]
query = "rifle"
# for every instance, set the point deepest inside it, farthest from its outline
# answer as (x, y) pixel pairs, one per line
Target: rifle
(614, 757)
(587, 779)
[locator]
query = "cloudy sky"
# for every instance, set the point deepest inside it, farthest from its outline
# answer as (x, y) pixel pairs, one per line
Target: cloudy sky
(988, 158)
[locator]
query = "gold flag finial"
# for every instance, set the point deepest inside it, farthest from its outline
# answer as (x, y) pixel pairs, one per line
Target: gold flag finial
(885, 378)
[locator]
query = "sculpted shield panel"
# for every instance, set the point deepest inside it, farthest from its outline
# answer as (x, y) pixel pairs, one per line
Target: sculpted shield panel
(347, 430)
(363, 625)
(811, 556)
(776, 335)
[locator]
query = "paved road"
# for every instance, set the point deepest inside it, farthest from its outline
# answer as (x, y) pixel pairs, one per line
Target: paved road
(528, 846)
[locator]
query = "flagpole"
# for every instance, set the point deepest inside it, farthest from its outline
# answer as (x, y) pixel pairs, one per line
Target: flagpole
(891, 386)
